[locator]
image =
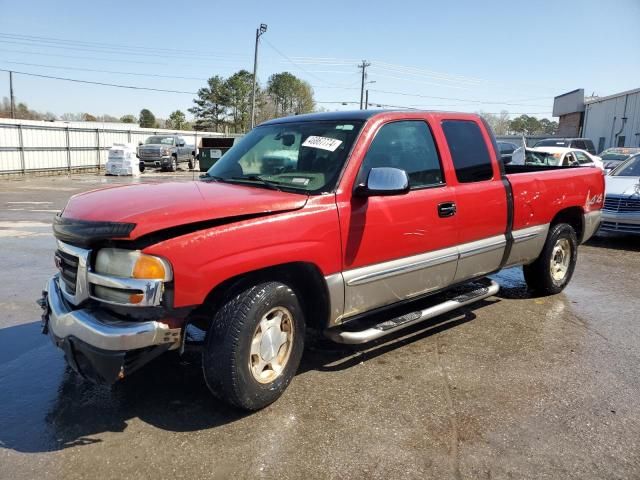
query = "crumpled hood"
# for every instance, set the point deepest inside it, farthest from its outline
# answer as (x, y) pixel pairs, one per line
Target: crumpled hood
(621, 185)
(157, 206)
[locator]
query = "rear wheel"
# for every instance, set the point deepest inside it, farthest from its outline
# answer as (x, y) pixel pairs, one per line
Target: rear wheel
(192, 162)
(553, 269)
(254, 345)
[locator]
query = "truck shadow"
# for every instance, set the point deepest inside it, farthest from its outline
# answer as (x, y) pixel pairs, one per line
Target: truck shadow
(47, 407)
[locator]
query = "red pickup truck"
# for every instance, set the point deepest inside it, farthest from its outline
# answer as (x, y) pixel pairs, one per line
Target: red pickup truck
(332, 221)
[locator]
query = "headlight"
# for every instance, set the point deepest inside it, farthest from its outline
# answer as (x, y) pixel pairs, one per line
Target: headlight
(132, 264)
(165, 151)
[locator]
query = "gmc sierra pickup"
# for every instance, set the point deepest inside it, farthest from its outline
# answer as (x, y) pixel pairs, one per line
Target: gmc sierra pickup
(334, 221)
(166, 152)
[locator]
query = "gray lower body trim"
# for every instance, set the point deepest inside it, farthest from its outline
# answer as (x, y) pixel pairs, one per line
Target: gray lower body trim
(357, 291)
(591, 224)
(479, 257)
(527, 245)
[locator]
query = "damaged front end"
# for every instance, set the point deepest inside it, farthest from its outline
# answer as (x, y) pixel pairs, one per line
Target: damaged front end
(96, 343)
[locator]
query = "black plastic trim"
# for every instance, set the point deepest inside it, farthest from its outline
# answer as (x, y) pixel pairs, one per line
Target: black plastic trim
(508, 233)
(87, 232)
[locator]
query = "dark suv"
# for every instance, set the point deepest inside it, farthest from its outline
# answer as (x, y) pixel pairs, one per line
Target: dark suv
(580, 143)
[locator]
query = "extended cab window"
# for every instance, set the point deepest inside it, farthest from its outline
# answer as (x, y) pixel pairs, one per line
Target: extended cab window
(409, 146)
(468, 150)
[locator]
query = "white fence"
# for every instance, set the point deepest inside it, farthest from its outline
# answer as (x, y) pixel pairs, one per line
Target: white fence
(40, 146)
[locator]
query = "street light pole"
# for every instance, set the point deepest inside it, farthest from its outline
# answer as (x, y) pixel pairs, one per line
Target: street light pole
(259, 32)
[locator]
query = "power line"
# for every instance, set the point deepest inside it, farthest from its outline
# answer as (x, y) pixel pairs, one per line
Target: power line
(132, 87)
(23, 52)
(155, 75)
(466, 100)
(112, 46)
(295, 64)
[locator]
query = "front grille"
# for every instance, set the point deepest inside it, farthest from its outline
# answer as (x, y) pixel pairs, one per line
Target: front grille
(148, 154)
(68, 266)
(620, 227)
(621, 204)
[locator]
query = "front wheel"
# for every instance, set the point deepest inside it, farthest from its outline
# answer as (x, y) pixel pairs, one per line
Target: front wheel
(553, 269)
(254, 345)
(174, 164)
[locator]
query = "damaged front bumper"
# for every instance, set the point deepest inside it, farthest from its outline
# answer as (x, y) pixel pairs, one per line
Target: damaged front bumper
(97, 344)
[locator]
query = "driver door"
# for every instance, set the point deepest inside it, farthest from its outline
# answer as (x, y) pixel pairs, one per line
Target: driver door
(399, 247)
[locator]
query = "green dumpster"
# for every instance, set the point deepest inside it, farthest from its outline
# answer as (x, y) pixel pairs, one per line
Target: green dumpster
(211, 149)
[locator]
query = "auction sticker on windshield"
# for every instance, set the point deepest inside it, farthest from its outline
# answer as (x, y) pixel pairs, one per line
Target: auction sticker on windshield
(325, 143)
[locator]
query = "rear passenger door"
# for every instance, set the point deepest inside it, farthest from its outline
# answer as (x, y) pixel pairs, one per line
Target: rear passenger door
(480, 199)
(399, 247)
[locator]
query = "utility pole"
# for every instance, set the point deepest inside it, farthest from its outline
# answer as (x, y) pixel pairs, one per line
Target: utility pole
(259, 32)
(363, 66)
(366, 96)
(13, 100)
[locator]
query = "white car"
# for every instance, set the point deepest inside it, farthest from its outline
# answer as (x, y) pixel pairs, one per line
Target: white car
(621, 211)
(556, 156)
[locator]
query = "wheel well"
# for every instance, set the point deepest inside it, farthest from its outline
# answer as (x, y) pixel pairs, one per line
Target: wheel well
(574, 217)
(304, 278)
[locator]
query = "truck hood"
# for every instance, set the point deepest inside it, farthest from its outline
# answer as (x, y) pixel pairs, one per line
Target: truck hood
(158, 206)
(621, 185)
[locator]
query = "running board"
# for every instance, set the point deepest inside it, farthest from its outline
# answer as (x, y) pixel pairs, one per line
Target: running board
(393, 325)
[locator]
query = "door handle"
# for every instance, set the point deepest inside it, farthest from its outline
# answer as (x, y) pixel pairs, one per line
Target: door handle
(446, 209)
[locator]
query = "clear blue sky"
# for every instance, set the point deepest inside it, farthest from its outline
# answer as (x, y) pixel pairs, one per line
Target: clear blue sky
(467, 51)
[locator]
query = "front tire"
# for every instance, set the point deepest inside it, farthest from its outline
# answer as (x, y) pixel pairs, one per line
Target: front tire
(553, 269)
(254, 345)
(174, 164)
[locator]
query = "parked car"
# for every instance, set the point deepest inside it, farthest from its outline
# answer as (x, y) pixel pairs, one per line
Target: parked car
(621, 211)
(612, 157)
(166, 152)
(376, 210)
(578, 143)
(556, 156)
(506, 150)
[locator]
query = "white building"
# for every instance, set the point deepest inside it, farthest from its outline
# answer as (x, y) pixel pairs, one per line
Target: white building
(611, 121)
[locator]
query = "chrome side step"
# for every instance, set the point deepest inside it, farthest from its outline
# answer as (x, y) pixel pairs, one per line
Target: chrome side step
(388, 327)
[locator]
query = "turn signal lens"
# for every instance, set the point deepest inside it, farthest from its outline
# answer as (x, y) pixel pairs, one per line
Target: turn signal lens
(149, 267)
(136, 298)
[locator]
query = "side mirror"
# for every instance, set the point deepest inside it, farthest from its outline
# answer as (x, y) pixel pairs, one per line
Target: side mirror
(181, 144)
(384, 181)
(139, 143)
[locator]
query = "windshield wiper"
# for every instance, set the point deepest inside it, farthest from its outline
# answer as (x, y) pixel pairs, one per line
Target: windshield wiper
(255, 178)
(206, 177)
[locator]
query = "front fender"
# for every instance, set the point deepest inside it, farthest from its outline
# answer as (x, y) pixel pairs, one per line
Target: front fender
(204, 259)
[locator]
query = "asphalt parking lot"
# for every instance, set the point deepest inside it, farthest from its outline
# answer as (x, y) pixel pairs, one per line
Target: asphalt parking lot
(512, 387)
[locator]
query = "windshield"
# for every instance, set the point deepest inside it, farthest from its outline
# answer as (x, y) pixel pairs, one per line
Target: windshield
(552, 143)
(542, 158)
(159, 140)
(631, 168)
(305, 156)
(616, 155)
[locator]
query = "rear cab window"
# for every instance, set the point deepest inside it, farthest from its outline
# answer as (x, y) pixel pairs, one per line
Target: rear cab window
(469, 152)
